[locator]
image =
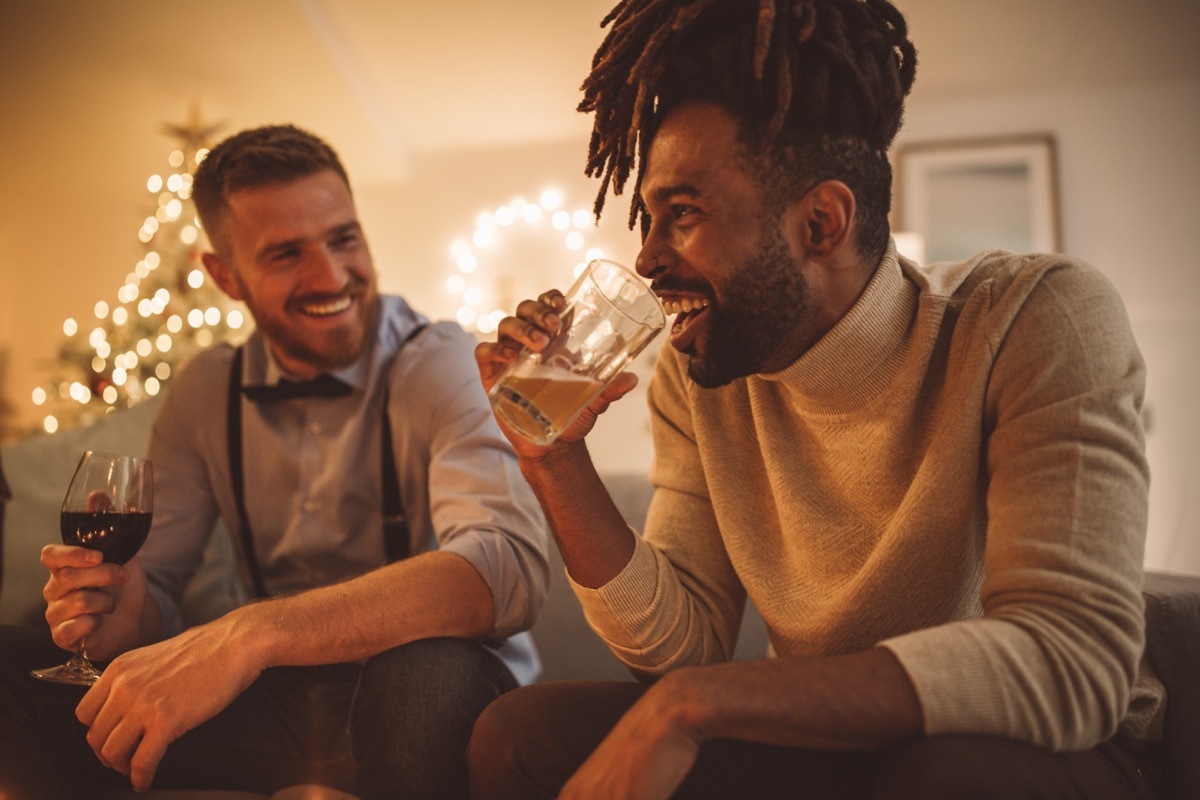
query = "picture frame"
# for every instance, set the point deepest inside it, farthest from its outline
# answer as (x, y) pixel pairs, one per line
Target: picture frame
(955, 198)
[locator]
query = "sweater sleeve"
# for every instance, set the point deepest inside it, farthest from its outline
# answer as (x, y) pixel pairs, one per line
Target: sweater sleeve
(1053, 659)
(678, 602)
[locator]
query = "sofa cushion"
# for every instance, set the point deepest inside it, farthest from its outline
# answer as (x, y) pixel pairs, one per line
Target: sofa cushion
(1173, 647)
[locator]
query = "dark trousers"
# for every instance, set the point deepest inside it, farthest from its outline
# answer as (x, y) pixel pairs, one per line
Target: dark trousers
(397, 726)
(528, 743)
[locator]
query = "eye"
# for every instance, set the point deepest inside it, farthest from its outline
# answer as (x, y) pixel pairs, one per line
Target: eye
(682, 212)
(344, 240)
(284, 255)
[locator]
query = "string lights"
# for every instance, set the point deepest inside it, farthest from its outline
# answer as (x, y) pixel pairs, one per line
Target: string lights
(483, 298)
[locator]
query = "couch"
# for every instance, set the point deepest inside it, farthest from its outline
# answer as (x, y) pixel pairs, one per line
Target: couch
(34, 474)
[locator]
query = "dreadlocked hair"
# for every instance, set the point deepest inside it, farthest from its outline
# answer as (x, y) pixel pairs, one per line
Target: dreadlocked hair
(817, 87)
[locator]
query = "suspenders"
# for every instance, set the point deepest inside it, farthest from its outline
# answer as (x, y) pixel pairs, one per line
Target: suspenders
(395, 528)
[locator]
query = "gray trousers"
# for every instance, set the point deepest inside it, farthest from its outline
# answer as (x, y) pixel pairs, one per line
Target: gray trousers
(397, 726)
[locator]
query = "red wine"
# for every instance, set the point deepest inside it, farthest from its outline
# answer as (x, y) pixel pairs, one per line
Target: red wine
(116, 535)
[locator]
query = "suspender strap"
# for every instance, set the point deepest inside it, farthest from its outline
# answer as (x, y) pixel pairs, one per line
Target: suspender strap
(395, 527)
(396, 541)
(233, 435)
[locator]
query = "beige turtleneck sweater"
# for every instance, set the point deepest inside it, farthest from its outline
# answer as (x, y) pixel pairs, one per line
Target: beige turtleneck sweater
(955, 472)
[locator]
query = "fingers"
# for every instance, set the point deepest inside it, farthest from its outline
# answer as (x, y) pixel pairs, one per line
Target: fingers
(532, 326)
(119, 741)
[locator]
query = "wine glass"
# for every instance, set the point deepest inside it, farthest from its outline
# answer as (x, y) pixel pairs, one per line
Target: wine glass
(108, 507)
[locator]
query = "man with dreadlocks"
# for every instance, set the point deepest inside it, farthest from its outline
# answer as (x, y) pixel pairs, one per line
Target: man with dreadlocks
(931, 482)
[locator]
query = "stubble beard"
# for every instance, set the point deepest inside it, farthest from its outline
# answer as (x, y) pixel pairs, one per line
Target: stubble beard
(764, 302)
(337, 348)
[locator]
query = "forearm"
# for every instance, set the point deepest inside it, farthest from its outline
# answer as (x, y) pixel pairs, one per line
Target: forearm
(435, 594)
(593, 538)
(850, 702)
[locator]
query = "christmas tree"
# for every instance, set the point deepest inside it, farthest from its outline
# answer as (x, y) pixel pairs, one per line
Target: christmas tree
(166, 310)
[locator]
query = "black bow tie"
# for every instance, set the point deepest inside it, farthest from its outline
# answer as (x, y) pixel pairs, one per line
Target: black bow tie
(320, 386)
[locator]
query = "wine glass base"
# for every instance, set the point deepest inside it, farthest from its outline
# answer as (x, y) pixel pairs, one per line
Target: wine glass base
(73, 673)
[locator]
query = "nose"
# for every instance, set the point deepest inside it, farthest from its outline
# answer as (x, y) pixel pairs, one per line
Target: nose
(325, 270)
(651, 258)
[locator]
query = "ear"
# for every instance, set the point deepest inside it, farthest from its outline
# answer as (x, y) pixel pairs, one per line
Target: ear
(222, 274)
(828, 218)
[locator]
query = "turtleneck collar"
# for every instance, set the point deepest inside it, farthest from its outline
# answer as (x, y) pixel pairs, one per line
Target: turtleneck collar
(856, 360)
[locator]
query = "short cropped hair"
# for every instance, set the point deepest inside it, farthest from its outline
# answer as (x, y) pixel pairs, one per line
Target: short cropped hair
(256, 157)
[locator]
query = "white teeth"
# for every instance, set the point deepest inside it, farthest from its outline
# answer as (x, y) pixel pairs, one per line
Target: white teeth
(327, 309)
(685, 305)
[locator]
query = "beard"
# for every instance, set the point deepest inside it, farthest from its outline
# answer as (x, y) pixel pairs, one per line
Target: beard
(764, 304)
(330, 350)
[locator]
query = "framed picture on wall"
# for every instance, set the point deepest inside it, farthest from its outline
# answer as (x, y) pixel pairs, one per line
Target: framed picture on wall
(955, 198)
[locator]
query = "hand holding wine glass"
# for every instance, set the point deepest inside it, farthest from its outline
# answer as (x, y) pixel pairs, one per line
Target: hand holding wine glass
(108, 507)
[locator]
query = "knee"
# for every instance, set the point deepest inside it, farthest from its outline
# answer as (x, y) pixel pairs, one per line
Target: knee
(432, 683)
(502, 756)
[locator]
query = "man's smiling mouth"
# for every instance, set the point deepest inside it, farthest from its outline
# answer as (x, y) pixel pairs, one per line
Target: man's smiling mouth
(326, 308)
(689, 313)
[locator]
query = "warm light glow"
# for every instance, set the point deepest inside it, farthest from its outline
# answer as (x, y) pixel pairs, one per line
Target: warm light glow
(176, 158)
(195, 318)
(110, 394)
(212, 316)
(485, 235)
(152, 386)
(163, 343)
(162, 370)
(204, 337)
(593, 253)
(235, 319)
(189, 235)
(119, 376)
(155, 183)
(70, 327)
(39, 396)
(174, 323)
(144, 347)
(98, 364)
(97, 337)
(100, 310)
(50, 424)
(104, 350)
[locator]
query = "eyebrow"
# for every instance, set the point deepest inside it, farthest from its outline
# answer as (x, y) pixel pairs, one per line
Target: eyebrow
(664, 193)
(337, 230)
